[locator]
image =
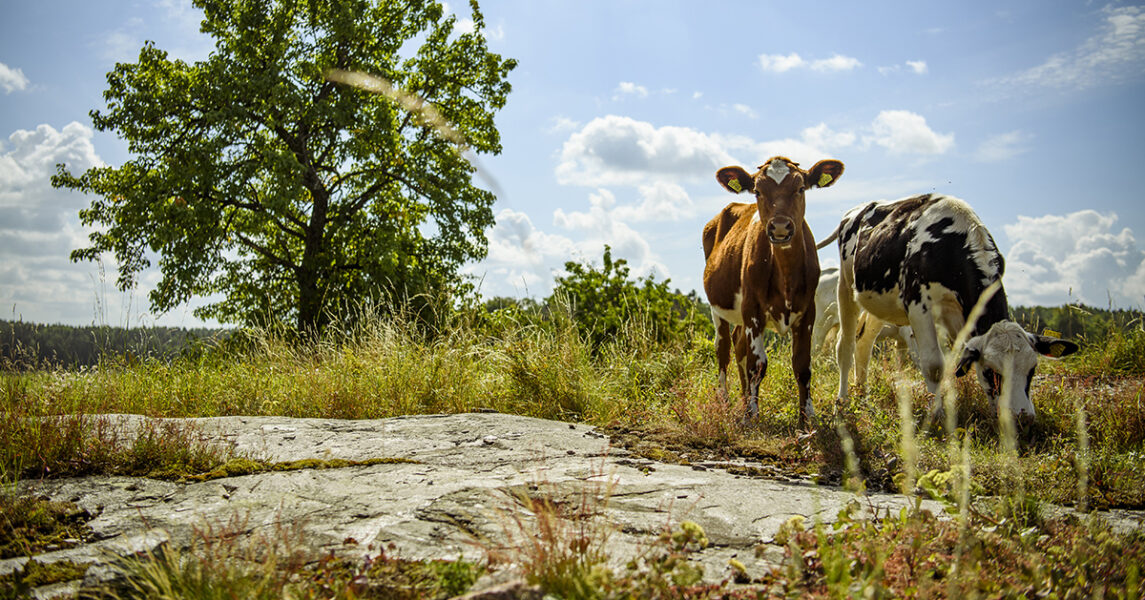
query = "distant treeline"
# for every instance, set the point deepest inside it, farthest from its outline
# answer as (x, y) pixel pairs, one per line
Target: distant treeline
(31, 345)
(1077, 321)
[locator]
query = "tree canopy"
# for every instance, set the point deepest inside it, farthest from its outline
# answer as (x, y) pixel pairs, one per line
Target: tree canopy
(258, 181)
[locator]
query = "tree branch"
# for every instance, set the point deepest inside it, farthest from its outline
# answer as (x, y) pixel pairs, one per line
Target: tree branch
(265, 253)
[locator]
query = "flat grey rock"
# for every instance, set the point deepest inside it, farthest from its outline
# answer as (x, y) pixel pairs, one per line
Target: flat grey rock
(456, 499)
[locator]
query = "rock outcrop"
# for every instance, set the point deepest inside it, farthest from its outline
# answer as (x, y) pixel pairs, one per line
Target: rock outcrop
(456, 493)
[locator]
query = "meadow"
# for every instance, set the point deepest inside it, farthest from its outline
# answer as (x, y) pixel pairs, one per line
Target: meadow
(657, 396)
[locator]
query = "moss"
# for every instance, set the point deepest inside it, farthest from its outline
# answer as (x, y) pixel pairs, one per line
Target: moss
(31, 525)
(243, 466)
(36, 574)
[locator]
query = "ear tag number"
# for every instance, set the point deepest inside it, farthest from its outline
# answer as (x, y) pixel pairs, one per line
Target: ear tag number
(824, 179)
(1056, 350)
(1051, 333)
(733, 183)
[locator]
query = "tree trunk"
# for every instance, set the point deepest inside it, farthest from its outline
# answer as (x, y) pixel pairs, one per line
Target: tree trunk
(312, 274)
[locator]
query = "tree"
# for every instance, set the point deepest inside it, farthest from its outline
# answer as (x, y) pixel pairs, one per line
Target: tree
(257, 178)
(604, 300)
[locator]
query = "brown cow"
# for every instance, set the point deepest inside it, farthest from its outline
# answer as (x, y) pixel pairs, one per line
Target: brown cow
(762, 270)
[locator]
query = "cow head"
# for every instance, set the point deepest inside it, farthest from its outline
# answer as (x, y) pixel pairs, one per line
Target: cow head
(778, 187)
(1005, 357)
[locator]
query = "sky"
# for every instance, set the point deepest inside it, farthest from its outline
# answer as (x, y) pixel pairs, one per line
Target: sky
(622, 111)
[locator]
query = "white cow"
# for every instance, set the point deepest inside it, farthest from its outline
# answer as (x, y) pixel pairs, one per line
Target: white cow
(869, 331)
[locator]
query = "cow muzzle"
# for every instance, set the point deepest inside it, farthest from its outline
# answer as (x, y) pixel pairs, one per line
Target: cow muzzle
(780, 230)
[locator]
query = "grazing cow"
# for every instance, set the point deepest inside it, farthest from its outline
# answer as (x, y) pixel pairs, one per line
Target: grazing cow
(925, 261)
(826, 307)
(827, 319)
(761, 271)
(869, 330)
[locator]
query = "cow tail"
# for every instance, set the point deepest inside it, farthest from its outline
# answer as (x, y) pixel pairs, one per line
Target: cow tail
(834, 236)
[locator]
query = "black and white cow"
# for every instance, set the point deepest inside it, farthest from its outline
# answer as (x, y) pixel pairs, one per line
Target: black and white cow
(924, 261)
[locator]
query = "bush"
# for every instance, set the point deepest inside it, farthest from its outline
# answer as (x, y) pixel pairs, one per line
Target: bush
(604, 300)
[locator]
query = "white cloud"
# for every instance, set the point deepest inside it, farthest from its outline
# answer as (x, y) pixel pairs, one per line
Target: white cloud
(1114, 54)
(745, 110)
(824, 137)
(514, 240)
(1003, 146)
(905, 132)
(659, 201)
(918, 67)
(837, 62)
(525, 260)
(27, 161)
(614, 150)
(627, 88)
(1061, 258)
(562, 124)
(778, 63)
(39, 225)
(12, 80)
(603, 224)
(521, 259)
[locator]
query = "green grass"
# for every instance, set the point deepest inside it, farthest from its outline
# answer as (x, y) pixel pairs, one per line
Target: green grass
(664, 391)
(1085, 448)
(1000, 553)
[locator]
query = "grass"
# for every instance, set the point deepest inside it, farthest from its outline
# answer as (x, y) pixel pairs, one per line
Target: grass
(1085, 448)
(224, 563)
(1002, 553)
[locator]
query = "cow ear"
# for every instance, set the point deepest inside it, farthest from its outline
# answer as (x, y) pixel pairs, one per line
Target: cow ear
(1052, 346)
(825, 173)
(734, 179)
(970, 355)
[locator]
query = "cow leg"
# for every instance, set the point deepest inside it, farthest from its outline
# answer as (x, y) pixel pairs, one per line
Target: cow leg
(848, 323)
(756, 358)
(723, 343)
(739, 338)
(825, 324)
(801, 367)
(930, 359)
(869, 328)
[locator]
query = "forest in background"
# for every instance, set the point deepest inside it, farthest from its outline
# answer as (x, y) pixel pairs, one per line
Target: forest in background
(26, 346)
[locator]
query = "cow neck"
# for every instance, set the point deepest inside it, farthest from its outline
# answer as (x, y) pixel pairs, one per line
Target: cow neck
(997, 309)
(790, 263)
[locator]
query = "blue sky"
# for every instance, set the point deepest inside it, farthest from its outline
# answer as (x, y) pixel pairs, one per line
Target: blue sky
(622, 111)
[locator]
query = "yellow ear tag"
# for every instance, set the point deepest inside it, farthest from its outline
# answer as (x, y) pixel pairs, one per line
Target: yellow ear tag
(1051, 333)
(1056, 350)
(733, 183)
(824, 179)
